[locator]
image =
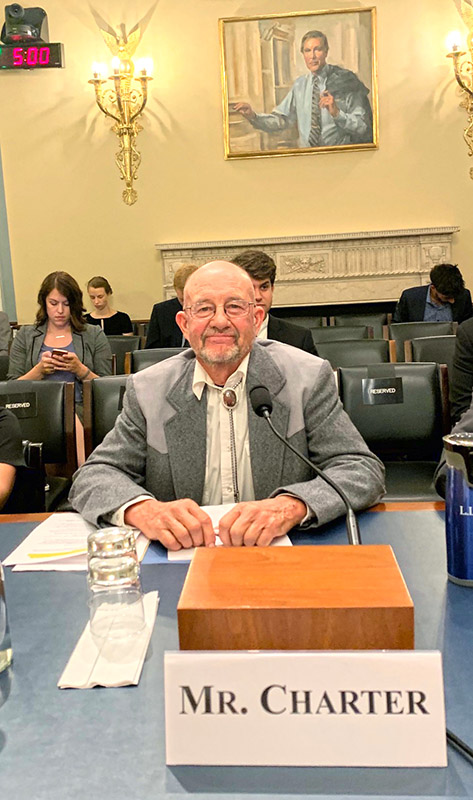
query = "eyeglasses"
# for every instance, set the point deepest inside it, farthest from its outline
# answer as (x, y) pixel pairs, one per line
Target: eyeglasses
(232, 309)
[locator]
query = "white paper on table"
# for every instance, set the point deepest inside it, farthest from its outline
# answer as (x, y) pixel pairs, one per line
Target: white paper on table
(60, 542)
(110, 662)
(75, 564)
(216, 513)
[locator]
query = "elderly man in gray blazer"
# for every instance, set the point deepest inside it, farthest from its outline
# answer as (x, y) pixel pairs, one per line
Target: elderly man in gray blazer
(187, 435)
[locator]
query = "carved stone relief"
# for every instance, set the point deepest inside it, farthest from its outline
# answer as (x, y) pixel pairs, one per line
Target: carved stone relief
(337, 268)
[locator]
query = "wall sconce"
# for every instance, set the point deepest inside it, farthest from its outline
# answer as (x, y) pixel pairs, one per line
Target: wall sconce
(463, 69)
(124, 102)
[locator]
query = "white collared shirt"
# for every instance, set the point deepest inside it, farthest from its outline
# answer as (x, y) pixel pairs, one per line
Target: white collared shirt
(263, 331)
(218, 484)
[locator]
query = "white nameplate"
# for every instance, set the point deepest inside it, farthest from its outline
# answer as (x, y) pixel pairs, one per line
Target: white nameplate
(334, 709)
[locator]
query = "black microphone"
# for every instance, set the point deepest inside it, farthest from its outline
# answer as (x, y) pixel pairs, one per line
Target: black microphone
(262, 406)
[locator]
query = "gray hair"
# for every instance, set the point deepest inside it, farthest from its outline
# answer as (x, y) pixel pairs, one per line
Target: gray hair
(314, 35)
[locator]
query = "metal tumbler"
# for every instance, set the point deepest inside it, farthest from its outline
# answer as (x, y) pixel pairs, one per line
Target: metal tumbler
(459, 507)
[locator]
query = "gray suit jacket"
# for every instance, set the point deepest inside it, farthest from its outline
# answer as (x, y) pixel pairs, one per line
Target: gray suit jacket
(5, 333)
(464, 425)
(91, 347)
(158, 444)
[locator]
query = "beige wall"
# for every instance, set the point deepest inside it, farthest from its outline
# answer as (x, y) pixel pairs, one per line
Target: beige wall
(62, 187)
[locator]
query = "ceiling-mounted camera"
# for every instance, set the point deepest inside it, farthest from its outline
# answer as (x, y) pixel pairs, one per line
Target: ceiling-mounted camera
(24, 25)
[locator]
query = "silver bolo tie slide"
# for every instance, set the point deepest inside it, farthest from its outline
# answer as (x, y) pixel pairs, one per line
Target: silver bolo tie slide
(229, 400)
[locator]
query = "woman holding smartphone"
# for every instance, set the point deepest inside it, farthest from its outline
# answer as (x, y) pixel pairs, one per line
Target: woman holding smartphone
(60, 346)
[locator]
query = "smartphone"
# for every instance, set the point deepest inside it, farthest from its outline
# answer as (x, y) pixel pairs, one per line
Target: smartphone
(58, 352)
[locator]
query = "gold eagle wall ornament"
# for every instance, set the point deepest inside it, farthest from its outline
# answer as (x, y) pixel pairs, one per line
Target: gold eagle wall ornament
(463, 69)
(125, 98)
(122, 44)
(466, 10)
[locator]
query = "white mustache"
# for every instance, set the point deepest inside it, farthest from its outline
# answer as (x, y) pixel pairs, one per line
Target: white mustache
(216, 331)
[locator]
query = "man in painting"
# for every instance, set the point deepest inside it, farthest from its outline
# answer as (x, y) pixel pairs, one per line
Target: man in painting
(330, 105)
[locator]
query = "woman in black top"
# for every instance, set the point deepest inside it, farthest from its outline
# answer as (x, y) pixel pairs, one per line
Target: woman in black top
(113, 323)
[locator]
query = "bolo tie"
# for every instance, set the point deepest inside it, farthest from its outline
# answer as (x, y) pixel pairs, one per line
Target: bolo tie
(230, 401)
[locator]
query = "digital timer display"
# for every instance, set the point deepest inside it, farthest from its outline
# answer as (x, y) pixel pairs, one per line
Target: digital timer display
(31, 56)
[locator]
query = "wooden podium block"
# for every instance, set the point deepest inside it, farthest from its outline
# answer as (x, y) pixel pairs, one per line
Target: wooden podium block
(337, 597)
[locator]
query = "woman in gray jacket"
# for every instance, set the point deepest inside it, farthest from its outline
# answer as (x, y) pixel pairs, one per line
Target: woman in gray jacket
(60, 346)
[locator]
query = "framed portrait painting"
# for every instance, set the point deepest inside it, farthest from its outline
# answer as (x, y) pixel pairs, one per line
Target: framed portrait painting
(299, 83)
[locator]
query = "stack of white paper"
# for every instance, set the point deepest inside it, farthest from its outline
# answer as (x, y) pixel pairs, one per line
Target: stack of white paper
(59, 543)
(216, 513)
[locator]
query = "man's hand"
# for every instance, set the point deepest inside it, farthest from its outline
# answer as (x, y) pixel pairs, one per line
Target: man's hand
(178, 524)
(261, 521)
(245, 110)
(327, 101)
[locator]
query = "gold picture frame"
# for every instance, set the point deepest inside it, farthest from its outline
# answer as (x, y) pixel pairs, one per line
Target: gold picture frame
(272, 106)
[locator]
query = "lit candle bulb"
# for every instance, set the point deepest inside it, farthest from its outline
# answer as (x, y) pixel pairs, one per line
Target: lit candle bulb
(99, 71)
(116, 65)
(144, 66)
(454, 41)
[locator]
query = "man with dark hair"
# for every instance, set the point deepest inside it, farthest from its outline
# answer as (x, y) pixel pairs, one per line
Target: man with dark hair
(262, 271)
(445, 299)
(330, 105)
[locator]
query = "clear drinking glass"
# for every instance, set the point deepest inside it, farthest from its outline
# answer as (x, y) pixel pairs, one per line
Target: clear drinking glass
(5, 641)
(115, 597)
(112, 542)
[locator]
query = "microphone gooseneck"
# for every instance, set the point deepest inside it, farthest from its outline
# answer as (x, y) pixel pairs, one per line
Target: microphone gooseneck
(262, 406)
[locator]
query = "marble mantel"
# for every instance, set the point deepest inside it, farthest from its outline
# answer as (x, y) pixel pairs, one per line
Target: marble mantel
(364, 267)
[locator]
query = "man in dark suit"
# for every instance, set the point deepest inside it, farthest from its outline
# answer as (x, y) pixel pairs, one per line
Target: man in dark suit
(445, 299)
(464, 425)
(461, 377)
(262, 271)
(163, 330)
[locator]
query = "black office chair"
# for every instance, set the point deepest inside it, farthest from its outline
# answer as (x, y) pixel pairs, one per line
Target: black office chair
(376, 321)
(303, 320)
(28, 495)
(103, 400)
(401, 410)
(401, 331)
(354, 352)
(141, 359)
(431, 348)
(120, 346)
(140, 327)
(335, 334)
(3, 367)
(45, 411)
